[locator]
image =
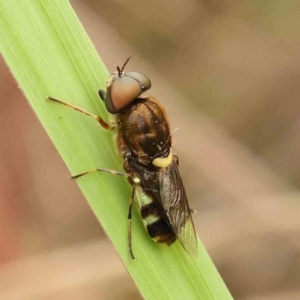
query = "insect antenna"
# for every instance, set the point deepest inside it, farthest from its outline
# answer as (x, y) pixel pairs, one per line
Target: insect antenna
(120, 71)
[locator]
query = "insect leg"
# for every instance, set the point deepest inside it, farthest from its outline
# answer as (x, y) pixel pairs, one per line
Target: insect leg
(129, 223)
(113, 172)
(98, 118)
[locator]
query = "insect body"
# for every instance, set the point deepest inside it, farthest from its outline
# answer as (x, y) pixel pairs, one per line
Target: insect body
(145, 143)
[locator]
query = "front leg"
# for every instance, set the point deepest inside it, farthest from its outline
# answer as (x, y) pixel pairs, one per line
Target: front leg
(98, 118)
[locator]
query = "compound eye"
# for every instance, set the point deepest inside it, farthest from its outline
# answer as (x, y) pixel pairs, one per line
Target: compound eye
(124, 90)
(142, 79)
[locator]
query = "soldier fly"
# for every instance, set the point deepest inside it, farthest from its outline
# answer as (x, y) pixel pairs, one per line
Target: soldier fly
(144, 141)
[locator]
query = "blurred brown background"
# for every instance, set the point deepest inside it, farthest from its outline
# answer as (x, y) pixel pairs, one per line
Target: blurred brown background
(228, 74)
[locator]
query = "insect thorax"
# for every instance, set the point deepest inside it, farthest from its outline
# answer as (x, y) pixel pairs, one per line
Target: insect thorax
(144, 131)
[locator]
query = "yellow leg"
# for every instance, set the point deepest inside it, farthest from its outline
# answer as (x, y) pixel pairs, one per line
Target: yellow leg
(98, 118)
(113, 172)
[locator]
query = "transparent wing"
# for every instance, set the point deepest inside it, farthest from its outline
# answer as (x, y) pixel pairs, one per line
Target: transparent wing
(166, 187)
(175, 204)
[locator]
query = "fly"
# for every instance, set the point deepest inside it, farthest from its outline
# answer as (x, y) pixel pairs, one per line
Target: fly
(144, 141)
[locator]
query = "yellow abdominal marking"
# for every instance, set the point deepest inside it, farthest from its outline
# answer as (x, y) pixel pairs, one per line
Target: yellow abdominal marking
(163, 162)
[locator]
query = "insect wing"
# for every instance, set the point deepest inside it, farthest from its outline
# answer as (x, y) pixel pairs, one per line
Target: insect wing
(174, 202)
(166, 187)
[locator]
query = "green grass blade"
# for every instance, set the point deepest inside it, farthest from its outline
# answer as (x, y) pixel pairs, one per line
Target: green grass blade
(49, 53)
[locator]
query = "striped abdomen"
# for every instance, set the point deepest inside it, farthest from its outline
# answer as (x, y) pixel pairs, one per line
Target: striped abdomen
(157, 228)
